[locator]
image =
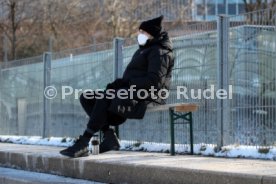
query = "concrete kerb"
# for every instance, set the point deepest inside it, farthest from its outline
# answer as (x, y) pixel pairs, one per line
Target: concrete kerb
(114, 167)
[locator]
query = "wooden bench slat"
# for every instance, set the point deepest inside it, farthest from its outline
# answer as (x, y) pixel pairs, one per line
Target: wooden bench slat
(178, 107)
(186, 108)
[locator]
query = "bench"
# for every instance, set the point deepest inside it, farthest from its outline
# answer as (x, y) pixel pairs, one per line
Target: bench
(177, 111)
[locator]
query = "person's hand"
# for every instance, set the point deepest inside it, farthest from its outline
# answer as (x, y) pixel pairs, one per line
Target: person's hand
(118, 83)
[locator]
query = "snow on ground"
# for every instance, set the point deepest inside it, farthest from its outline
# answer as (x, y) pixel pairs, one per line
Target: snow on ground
(232, 151)
(37, 140)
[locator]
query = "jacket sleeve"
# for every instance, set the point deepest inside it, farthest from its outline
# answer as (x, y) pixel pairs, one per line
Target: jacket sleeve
(158, 62)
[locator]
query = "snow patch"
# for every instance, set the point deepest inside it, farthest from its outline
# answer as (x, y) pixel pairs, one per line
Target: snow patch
(37, 140)
(231, 151)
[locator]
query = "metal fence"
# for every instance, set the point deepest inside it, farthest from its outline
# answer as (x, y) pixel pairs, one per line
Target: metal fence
(221, 53)
(251, 70)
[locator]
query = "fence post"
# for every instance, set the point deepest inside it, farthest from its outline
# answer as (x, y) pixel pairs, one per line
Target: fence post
(50, 44)
(118, 63)
(47, 57)
(5, 48)
(118, 58)
(223, 112)
(22, 116)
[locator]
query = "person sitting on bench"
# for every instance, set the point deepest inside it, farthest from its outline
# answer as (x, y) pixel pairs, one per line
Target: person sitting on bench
(151, 65)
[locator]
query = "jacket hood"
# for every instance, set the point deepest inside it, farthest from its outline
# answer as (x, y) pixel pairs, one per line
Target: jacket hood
(163, 40)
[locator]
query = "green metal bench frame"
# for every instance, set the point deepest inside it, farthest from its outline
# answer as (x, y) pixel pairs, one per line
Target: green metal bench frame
(187, 118)
(175, 114)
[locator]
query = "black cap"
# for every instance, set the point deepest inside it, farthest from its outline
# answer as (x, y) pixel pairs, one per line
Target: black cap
(153, 26)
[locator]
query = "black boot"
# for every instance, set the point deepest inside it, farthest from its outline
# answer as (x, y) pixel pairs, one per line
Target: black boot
(110, 141)
(78, 149)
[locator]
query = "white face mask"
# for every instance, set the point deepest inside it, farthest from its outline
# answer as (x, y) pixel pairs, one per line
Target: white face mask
(142, 39)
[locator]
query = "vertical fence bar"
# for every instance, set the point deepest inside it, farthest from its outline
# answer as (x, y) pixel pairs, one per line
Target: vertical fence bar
(22, 116)
(47, 57)
(1, 78)
(50, 44)
(118, 63)
(118, 58)
(5, 48)
(223, 114)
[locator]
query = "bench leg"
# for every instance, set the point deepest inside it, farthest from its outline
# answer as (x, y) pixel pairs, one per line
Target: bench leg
(191, 132)
(189, 119)
(172, 131)
(117, 131)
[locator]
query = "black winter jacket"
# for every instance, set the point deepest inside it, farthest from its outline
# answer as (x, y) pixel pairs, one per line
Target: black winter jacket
(151, 65)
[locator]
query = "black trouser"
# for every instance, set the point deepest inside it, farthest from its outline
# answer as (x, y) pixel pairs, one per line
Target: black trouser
(100, 117)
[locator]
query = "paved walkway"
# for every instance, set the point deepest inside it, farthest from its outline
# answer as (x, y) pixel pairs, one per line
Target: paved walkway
(139, 167)
(15, 176)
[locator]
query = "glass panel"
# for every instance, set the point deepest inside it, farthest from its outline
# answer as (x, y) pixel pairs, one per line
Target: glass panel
(232, 9)
(200, 10)
(221, 8)
(21, 86)
(211, 9)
